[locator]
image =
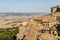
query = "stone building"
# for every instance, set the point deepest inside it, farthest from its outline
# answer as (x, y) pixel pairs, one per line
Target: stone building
(46, 20)
(49, 22)
(55, 9)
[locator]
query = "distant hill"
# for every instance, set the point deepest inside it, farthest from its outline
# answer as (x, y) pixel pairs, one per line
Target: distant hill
(22, 14)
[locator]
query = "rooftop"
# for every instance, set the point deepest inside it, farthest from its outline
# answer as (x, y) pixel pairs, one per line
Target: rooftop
(58, 6)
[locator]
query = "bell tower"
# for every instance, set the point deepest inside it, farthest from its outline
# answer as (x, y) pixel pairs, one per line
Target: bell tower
(55, 9)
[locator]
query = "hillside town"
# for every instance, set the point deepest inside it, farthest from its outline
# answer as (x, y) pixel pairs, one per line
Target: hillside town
(43, 27)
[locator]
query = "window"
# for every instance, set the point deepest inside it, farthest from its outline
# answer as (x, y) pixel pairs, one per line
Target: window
(47, 24)
(42, 31)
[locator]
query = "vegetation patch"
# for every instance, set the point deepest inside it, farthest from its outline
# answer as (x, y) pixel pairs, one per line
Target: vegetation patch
(8, 33)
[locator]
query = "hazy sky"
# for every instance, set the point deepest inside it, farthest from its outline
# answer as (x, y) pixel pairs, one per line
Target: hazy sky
(27, 5)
